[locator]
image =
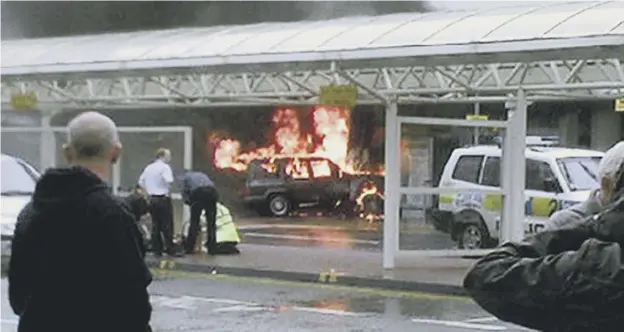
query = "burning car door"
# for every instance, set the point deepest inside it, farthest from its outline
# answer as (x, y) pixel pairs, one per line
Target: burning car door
(299, 182)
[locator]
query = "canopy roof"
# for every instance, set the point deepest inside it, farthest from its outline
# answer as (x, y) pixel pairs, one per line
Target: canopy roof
(435, 38)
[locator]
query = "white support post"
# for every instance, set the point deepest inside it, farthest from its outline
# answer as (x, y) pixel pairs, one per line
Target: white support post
(116, 176)
(47, 145)
(515, 200)
(477, 130)
(392, 185)
(188, 164)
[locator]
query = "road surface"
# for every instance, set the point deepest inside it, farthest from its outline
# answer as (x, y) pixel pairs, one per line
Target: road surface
(193, 302)
(328, 232)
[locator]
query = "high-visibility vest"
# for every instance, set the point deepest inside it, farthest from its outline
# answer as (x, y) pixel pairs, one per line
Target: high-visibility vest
(226, 228)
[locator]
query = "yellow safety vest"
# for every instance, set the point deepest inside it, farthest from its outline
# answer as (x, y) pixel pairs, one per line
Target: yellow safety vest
(226, 228)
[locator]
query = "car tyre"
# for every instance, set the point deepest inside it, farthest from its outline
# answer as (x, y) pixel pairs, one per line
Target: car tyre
(472, 233)
(279, 205)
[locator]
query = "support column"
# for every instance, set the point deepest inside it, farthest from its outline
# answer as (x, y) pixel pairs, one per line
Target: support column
(47, 152)
(477, 130)
(116, 176)
(606, 129)
(391, 190)
(188, 165)
(569, 129)
(513, 227)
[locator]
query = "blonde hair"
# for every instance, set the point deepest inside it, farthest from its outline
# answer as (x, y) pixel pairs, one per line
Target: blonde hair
(161, 152)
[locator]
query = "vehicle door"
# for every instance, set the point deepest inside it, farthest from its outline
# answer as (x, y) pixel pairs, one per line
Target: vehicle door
(465, 175)
(298, 175)
(541, 189)
(326, 180)
(491, 208)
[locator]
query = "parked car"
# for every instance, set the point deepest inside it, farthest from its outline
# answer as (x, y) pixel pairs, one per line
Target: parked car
(279, 186)
(556, 178)
(17, 184)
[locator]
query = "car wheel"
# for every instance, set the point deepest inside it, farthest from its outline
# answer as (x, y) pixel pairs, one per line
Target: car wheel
(472, 237)
(279, 205)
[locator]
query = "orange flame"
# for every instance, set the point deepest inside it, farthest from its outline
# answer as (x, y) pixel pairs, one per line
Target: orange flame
(328, 138)
(369, 190)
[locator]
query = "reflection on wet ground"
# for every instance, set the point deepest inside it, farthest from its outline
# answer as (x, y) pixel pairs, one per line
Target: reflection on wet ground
(339, 234)
(433, 308)
(186, 302)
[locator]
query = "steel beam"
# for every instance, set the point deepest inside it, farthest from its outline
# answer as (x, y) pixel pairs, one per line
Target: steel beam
(596, 78)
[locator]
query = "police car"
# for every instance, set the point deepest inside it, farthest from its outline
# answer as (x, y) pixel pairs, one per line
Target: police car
(17, 186)
(556, 178)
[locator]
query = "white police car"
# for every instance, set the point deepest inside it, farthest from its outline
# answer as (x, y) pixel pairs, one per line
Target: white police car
(17, 186)
(556, 178)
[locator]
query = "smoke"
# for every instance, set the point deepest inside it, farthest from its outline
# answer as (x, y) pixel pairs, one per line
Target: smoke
(32, 19)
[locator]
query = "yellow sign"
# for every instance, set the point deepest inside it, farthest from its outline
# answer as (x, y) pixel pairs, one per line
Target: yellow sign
(339, 95)
(619, 105)
(24, 101)
(477, 117)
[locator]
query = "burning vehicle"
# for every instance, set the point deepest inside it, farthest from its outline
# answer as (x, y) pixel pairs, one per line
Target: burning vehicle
(307, 163)
(280, 185)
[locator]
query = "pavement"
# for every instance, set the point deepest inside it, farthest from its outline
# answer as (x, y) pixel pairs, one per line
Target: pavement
(326, 250)
(327, 265)
(198, 302)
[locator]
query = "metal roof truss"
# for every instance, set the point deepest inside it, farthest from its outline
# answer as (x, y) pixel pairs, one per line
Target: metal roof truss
(495, 82)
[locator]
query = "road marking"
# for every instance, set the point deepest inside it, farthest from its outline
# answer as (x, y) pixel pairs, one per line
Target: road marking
(481, 320)
(9, 321)
(309, 238)
(460, 324)
(189, 303)
(240, 308)
(329, 312)
(287, 226)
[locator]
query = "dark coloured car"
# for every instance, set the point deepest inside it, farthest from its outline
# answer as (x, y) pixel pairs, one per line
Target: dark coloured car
(279, 186)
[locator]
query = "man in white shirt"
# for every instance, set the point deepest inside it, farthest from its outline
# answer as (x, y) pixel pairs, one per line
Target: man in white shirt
(156, 180)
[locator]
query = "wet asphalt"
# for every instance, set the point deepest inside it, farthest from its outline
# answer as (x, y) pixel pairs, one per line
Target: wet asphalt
(192, 302)
(302, 232)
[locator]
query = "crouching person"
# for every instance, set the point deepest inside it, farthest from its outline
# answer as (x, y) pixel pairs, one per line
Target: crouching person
(138, 206)
(227, 233)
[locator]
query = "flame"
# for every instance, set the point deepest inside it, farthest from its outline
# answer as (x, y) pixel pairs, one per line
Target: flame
(369, 190)
(327, 137)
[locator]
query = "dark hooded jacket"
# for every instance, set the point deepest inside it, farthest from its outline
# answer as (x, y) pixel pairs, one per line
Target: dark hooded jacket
(565, 280)
(75, 263)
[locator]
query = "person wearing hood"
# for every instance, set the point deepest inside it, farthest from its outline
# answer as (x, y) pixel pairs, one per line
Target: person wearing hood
(569, 279)
(76, 264)
(598, 198)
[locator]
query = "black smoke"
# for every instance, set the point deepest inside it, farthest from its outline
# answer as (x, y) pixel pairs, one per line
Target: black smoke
(32, 19)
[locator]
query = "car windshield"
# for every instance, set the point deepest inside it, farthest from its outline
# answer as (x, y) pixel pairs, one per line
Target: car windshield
(16, 178)
(581, 173)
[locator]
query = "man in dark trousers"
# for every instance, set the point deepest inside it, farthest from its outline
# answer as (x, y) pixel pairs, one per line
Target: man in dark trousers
(199, 192)
(75, 264)
(156, 180)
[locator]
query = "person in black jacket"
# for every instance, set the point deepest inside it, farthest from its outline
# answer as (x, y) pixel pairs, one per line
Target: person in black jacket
(76, 265)
(564, 280)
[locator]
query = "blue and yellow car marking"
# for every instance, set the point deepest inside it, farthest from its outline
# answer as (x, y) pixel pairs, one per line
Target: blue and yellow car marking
(534, 206)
